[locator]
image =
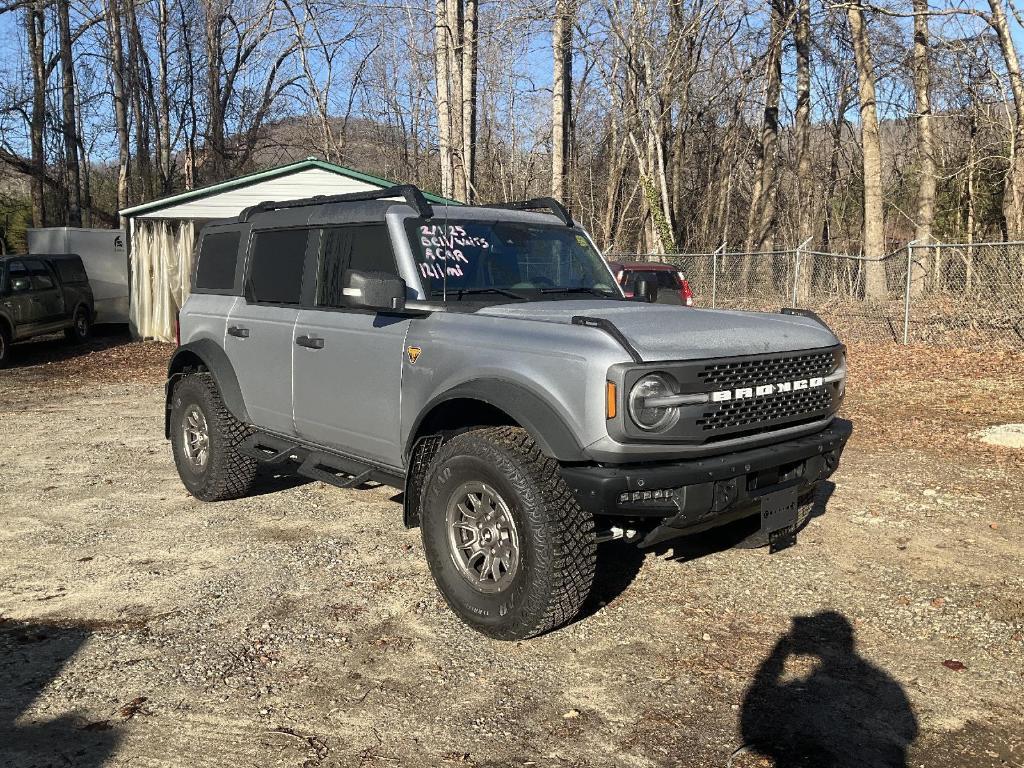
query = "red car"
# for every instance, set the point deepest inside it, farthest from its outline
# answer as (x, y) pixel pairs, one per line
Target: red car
(673, 287)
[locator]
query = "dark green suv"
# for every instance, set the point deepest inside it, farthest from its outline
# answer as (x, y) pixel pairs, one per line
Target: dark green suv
(41, 295)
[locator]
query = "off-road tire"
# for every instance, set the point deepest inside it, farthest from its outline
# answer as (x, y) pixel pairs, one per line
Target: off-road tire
(228, 473)
(557, 548)
(81, 327)
(5, 346)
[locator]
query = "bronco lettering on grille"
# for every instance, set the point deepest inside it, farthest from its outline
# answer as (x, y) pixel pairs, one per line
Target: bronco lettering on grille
(763, 390)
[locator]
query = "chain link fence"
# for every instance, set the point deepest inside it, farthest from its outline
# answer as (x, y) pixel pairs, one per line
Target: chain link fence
(960, 294)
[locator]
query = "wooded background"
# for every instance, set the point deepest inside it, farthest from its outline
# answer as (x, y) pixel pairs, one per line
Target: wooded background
(666, 126)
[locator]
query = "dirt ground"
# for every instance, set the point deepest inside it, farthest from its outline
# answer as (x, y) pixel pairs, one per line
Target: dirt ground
(300, 627)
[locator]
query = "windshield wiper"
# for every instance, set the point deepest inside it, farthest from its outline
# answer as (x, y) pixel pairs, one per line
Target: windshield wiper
(580, 289)
(460, 292)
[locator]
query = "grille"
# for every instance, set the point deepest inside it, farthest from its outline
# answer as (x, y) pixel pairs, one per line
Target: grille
(747, 372)
(755, 412)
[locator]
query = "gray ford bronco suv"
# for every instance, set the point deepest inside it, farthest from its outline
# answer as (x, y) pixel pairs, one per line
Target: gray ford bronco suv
(484, 360)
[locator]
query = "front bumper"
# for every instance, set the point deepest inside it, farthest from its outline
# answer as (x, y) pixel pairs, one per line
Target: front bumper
(693, 495)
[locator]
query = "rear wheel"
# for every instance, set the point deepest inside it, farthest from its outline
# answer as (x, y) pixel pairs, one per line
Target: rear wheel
(205, 438)
(5, 346)
(509, 548)
(81, 326)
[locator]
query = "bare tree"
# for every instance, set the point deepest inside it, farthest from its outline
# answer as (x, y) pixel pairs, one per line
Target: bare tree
(561, 103)
(69, 124)
(871, 156)
(1013, 197)
(925, 143)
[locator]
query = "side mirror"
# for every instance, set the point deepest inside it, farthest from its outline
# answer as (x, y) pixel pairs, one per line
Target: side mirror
(373, 290)
(20, 285)
(643, 290)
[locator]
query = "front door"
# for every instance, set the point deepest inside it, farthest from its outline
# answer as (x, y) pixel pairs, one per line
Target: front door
(259, 336)
(18, 299)
(348, 363)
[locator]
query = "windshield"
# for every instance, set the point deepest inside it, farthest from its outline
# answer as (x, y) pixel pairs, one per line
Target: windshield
(507, 259)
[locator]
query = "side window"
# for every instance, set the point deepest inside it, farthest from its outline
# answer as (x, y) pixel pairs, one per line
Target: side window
(69, 270)
(667, 280)
(41, 279)
(17, 277)
(364, 247)
(371, 249)
(218, 257)
(276, 261)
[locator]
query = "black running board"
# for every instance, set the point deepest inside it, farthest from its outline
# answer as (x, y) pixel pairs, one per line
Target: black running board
(316, 463)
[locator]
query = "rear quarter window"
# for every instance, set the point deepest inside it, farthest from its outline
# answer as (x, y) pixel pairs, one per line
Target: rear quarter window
(70, 270)
(218, 258)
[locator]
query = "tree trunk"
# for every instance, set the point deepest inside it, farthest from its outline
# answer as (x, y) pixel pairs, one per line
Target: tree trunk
(36, 22)
(617, 149)
(469, 96)
(873, 244)
(140, 94)
(761, 215)
(925, 148)
(86, 165)
(166, 162)
(113, 15)
(215, 144)
(69, 124)
(1013, 196)
(561, 104)
(453, 29)
(804, 180)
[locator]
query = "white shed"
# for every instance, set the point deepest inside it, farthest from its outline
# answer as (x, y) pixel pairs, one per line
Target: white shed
(162, 232)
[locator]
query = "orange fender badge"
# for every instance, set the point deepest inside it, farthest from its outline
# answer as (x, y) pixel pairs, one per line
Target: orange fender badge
(414, 354)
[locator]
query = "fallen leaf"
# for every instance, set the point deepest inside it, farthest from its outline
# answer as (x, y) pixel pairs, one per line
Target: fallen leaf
(954, 665)
(132, 708)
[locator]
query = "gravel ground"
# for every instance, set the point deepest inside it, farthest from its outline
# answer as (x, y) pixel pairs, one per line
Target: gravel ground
(300, 627)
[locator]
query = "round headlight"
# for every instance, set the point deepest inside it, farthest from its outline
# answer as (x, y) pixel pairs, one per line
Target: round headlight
(652, 419)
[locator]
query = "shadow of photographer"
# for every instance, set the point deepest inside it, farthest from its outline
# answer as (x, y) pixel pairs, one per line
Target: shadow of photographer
(31, 658)
(816, 703)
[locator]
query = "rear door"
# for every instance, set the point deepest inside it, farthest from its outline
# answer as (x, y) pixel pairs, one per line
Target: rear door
(348, 375)
(260, 329)
(46, 293)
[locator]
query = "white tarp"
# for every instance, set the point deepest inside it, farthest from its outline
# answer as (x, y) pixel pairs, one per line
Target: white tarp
(161, 259)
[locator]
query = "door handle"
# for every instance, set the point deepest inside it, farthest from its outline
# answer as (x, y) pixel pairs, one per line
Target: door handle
(238, 332)
(310, 342)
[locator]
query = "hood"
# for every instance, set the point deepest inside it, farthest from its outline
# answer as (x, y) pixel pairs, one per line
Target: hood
(664, 332)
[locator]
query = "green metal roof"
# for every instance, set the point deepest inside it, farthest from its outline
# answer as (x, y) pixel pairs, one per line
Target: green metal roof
(270, 173)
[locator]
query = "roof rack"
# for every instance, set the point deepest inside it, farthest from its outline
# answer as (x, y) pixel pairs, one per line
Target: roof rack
(411, 193)
(539, 203)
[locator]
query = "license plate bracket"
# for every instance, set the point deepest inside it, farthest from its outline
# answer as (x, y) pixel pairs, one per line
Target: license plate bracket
(779, 518)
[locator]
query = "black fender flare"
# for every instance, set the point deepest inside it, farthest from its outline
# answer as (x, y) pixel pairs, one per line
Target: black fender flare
(208, 354)
(531, 411)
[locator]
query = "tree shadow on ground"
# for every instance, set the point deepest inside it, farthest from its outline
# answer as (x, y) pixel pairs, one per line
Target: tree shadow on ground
(31, 657)
(816, 703)
(55, 348)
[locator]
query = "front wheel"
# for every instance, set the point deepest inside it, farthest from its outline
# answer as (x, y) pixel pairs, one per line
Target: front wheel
(81, 327)
(205, 438)
(5, 346)
(508, 546)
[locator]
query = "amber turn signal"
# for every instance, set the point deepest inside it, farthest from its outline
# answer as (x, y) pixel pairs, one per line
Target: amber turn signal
(610, 400)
